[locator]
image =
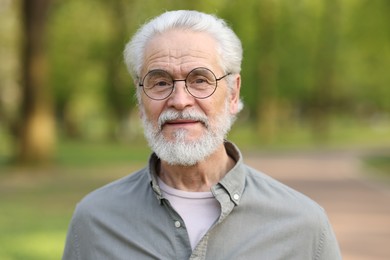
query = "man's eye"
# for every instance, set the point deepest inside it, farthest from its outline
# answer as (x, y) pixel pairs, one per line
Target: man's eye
(200, 81)
(161, 84)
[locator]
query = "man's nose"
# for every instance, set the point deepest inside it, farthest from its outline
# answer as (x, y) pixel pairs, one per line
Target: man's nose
(180, 98)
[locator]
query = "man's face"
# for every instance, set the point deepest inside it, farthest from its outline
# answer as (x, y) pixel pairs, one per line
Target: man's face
(182, 122)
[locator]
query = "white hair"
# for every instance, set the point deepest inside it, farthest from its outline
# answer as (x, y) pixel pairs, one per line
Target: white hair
(229, 46)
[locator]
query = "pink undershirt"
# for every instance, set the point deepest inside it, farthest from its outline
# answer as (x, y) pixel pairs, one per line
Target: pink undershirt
(199, 210)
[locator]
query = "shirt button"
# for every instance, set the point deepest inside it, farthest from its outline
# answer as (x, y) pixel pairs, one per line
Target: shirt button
(177, 224)
(236, 196)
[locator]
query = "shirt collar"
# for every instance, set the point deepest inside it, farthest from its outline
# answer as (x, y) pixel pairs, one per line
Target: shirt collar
(232, 183)
(154, 163)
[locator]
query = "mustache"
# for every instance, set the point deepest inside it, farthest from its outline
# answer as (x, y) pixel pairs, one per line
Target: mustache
(171, 114)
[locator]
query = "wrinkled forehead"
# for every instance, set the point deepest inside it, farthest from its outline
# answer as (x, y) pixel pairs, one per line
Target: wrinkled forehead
(180, 51)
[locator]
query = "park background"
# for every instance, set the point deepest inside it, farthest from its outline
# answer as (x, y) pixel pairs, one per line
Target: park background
(315, 77)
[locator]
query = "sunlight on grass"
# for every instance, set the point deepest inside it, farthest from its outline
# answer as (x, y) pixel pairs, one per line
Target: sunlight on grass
(37, 203)
(380, 166)
(71, 153)
(341, 133)
(35, 245)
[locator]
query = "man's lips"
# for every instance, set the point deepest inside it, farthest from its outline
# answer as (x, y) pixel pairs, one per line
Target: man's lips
(181, 121)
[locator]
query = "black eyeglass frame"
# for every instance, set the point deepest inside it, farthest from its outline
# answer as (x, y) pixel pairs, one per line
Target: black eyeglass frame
(141, 84)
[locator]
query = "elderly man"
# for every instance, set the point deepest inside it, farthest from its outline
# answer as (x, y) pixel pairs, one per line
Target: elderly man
(196, 199)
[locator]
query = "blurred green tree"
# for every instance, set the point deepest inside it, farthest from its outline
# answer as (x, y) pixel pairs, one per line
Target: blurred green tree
(37, 132)
(323, 93)
(119, 89)
(268, 69)
(305, 63)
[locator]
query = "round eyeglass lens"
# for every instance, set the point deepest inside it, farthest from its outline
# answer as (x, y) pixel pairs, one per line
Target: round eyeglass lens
(201, 83)
(158, 84)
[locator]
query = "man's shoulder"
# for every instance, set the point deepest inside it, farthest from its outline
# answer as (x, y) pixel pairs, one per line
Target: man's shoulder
(264, 187)
(116, 191)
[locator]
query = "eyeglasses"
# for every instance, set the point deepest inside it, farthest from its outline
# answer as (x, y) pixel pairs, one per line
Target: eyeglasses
(200, 83)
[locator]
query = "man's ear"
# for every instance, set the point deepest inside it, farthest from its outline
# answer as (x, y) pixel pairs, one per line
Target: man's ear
(235, 94)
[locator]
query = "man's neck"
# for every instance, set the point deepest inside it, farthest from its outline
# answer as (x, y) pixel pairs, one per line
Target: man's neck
(200, 177)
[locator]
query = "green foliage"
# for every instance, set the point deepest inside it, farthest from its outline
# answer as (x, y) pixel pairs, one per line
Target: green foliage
(304, 62)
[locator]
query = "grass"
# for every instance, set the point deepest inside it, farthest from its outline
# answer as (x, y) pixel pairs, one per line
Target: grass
(381, 165)
(33, 220)
(73, 153)
(341, 133)
(37, 203)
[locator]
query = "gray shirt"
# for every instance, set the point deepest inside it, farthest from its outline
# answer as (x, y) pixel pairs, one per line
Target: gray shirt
(260, 219)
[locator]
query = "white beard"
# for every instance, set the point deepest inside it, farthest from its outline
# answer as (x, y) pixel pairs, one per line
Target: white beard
(181, 151)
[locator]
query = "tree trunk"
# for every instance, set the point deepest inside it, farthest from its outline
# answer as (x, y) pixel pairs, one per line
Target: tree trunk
(267, 108)
(37, 134)
(325, 70)
(120, 90)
